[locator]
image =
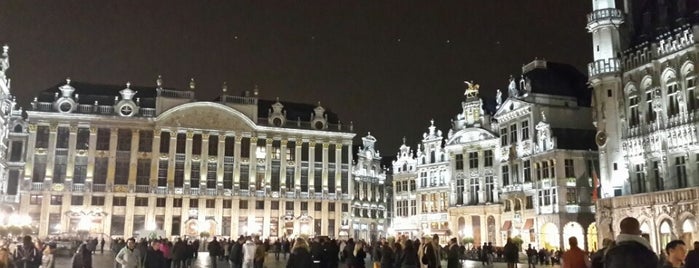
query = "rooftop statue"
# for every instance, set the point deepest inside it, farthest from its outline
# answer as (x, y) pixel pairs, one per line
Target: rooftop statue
(471, 89)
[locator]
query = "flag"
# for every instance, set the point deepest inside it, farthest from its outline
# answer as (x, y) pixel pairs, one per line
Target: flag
(595, 184)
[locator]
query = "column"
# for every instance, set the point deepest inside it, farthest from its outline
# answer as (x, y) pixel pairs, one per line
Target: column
(253, 163)
(72, 140)
(338, 169)
(204, 161)
(29, 165)
(172, 151)
(91, 150)
(169, 211)
(219, 160)
(155, 160)
(184, 214)
(350, 185)
(51, 153)
(107, 219)
(128, 217)
(188, 159)
(325, 173)
(133, 159)
(282, 165)
(297, 170)
(311, 167)
(218, 215)
(236, 165)
(113, 134)
(268, 165)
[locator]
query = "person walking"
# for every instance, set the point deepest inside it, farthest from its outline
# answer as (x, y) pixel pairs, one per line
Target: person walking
(388, 256)
(260, 253)
(236, 256)
(154, 257)
(408, 257)
(453, 253)
(26, 255)
(128, 257)
(214, 252)
(47, 258)
(511, 252)
(531, 256)
(249, 254)
(631, 249)
(82, 258)
(359, 255)
(575, 257)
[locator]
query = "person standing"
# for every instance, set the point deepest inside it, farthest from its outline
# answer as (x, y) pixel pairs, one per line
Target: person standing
(597, 258)
(214, 252)
(236, 256)
(82, 258)
(5, 259)
(676, 253)
(102, 246)
(249, 254)
(453, 254)
(359, 255)
(692, 259)
(300, 255)
(128, 257)
(260, 252)
(511, 252)
(47, 258)
(631, 249)
(388, 256)
(316, 252)
(26, 255)
(154, 257)
(531, 256)
(179, 253)
(574, 257)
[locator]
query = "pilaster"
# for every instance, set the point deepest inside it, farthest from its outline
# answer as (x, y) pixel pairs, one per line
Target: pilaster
(51, 152)
(91, 151)
(133, 159)
(113, 134)
(72, 140)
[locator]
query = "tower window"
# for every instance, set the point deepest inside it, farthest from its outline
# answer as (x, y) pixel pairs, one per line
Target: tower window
(609, 92)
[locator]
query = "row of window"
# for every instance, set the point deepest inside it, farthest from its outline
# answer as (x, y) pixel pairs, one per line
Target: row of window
(678, 171)
(122, 167)
(120, 201)
(473, 160)
(473, 191)
(145, 142)
(363, 191)
(673, 102)
(405, 208)
(542, 170)
(508, 135)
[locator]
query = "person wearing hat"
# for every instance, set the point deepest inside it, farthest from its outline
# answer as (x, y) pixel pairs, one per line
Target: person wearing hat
(47, 259)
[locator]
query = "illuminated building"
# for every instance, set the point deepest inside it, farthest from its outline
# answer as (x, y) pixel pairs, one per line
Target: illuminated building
(141, 159)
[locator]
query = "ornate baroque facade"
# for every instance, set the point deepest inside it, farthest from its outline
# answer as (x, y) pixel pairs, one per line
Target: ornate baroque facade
(645, 111)
(122, 160)
(369, 217)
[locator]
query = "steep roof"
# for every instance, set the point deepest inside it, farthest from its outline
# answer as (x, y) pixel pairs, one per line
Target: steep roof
(102, 93)
(561, 80)
(575, 139)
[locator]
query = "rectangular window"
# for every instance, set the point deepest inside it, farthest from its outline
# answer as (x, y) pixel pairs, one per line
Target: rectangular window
(545, 169)
(97, 201)
(193, 203)
(196, 144)
(213, 145)
(177, 202)
(650, 113)
(160, 202)
(525, 130)
(317, 206)
(229, 146)
(143, 172)
(145, 141)
(59, 168)
(640, 178)
(36, 199)
(76, 200)
(488, 158)
(16, 153)
(473, 160)
(304, 206)
(211, 175)
(289, 205)
(141, 201)
(245, 147)
(692, 102)
(345, 207)
(527, 170)
(681, 172)
(62, 137)
(244, 177)
(179, 173)
(331, 207)
(80, 170)
(513, 133)
(275, 205)
(227, 203)
(119, 201)
(39, 172)
(260, 205)
(83, 139)
(162, 172)
(210, 203)
(673, 106)
(195, 175)
(633, 111)
(121, 173)
(101, 165)
(459, 159)
(514, 174)
(243, 204)
(124, 140)
(304, 179)
(181, 143)
(176, 225)
(569, 168)
(530, 202)
(659, 183)
(164, 142)
(42, 137)
(318, 180)
(505, 175)
(503, 137)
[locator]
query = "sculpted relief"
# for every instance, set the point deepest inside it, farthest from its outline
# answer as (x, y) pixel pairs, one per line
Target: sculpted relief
(205, 116)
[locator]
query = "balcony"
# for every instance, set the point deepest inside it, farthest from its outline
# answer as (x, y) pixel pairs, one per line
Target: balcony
(143, 189)
(37, 186)
(99, 188)
(604, 16)
(78, 188)
(604, 66)
(211, 192)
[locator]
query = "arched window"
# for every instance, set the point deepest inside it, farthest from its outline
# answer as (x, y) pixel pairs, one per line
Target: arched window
(633, 114)
(672, 92)
(18, 128)
(646, 87)
(690, 85)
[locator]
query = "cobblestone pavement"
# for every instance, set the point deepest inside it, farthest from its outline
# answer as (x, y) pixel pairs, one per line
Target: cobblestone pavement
(106, 260)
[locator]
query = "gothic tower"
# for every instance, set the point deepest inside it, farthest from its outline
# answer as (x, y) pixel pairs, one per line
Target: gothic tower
(605, 78)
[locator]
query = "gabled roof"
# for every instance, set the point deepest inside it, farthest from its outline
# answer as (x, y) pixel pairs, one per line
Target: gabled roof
(510, 104)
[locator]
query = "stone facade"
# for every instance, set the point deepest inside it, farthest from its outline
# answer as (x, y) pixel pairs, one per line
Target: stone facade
(369, 210)
(123, 161)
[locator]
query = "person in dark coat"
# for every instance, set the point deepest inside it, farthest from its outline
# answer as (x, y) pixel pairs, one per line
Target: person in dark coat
(332, 250)
(348, 253)
(300, 255)
(511, 252)
(407, 257)
(179, 254)
(316, 253)
(82, 258)
(453, 254)
(359, 255)
(215, 251)
(236, 253)
(429, 256)
(154, 257)
(692, 259)
(27, 255)
(388, 256)
(631, 249)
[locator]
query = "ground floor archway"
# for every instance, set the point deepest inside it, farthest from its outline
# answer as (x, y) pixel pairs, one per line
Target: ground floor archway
(573, 229)
(549, 236)
(665, 233)
(687, 233)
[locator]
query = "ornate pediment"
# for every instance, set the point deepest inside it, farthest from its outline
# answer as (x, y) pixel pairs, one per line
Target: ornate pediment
(205, 115)
(511, 108)
(469, 135)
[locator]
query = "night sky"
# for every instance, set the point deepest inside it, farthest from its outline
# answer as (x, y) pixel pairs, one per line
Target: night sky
(388, 66)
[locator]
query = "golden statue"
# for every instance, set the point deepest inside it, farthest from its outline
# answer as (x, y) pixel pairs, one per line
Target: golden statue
(471, 89)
